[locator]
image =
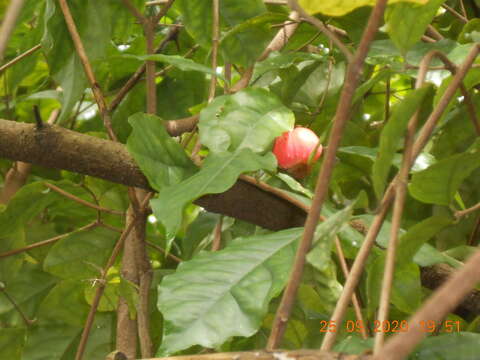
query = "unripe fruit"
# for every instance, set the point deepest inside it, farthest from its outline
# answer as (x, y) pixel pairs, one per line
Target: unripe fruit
(293, 149)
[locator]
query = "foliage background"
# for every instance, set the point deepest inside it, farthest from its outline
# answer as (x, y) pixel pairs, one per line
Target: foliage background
(226, 300)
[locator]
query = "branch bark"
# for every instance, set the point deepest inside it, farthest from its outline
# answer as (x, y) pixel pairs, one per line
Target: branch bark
(59, 148)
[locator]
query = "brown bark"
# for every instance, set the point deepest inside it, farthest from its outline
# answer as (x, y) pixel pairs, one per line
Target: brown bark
(59, 148)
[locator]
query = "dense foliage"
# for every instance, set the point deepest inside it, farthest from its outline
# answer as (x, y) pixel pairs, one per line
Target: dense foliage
(226, 300)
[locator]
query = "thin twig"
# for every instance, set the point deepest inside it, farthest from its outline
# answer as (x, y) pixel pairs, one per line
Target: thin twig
(356, 303)
(134, 11)
(440, 303)
(400, 186)
(324, 29)
(387, 99)
(455, 13)
(473, 236)
(172, 33)
(362, 255)
(46, 242)
(97, 92)
(26, 320)
(217, 235)
(163, 12)
(160, 249)
(461, 213)
(277, 43)
(101, 286)
(81, 201)
(341, 117)
(215, 42)
(8, 24)
(19, 57)
(432, 32)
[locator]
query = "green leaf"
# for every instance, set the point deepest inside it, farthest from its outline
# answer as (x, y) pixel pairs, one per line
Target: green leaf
(470, 32)
(218, 173)
(179, 62)
(92, 20)
(162, 160)
(438, 183)
(339, 8)
(11, 342)
(411, 242)
(244, 43)
(226, 293)
(406, 291)
(197, 16)
(320, 255)
(81, 255)
(29, 283)
(65, 304)
(392, 133)
(454, 346)
(406, 22)
(250, 119)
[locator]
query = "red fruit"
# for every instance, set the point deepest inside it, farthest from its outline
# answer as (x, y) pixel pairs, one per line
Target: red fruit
(293, 149)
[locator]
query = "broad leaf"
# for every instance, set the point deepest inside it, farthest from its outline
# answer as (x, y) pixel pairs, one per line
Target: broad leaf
(454, 346)
(245, 42)
(179, 62)
(438, 183)
(411, 242)
(162, 160)
(93, 23)
(392, 133)
(226, 293)
(81, 255)
(217, 295)
(218, 173)
(406, 291)
(197, 16)
(250, 119)
(339, 8)
(320, 255)
(406, 22)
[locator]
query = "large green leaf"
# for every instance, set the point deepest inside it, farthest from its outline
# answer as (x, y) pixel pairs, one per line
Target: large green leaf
(438, 183)
(65, 304)
(11, 342)
(250, 119)
(454, 346)
(93, 23)
(339, 8)
(320, 255)
(392, 133)
(406, 290)
(180, 62)
(81, 255)
(218, 173)
(30, 282)
(406, 22)
(162, 160)
(197, 16)
(217, 295)
(226, 293)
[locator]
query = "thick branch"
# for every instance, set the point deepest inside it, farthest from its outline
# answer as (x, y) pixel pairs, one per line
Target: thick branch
(59, 148)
